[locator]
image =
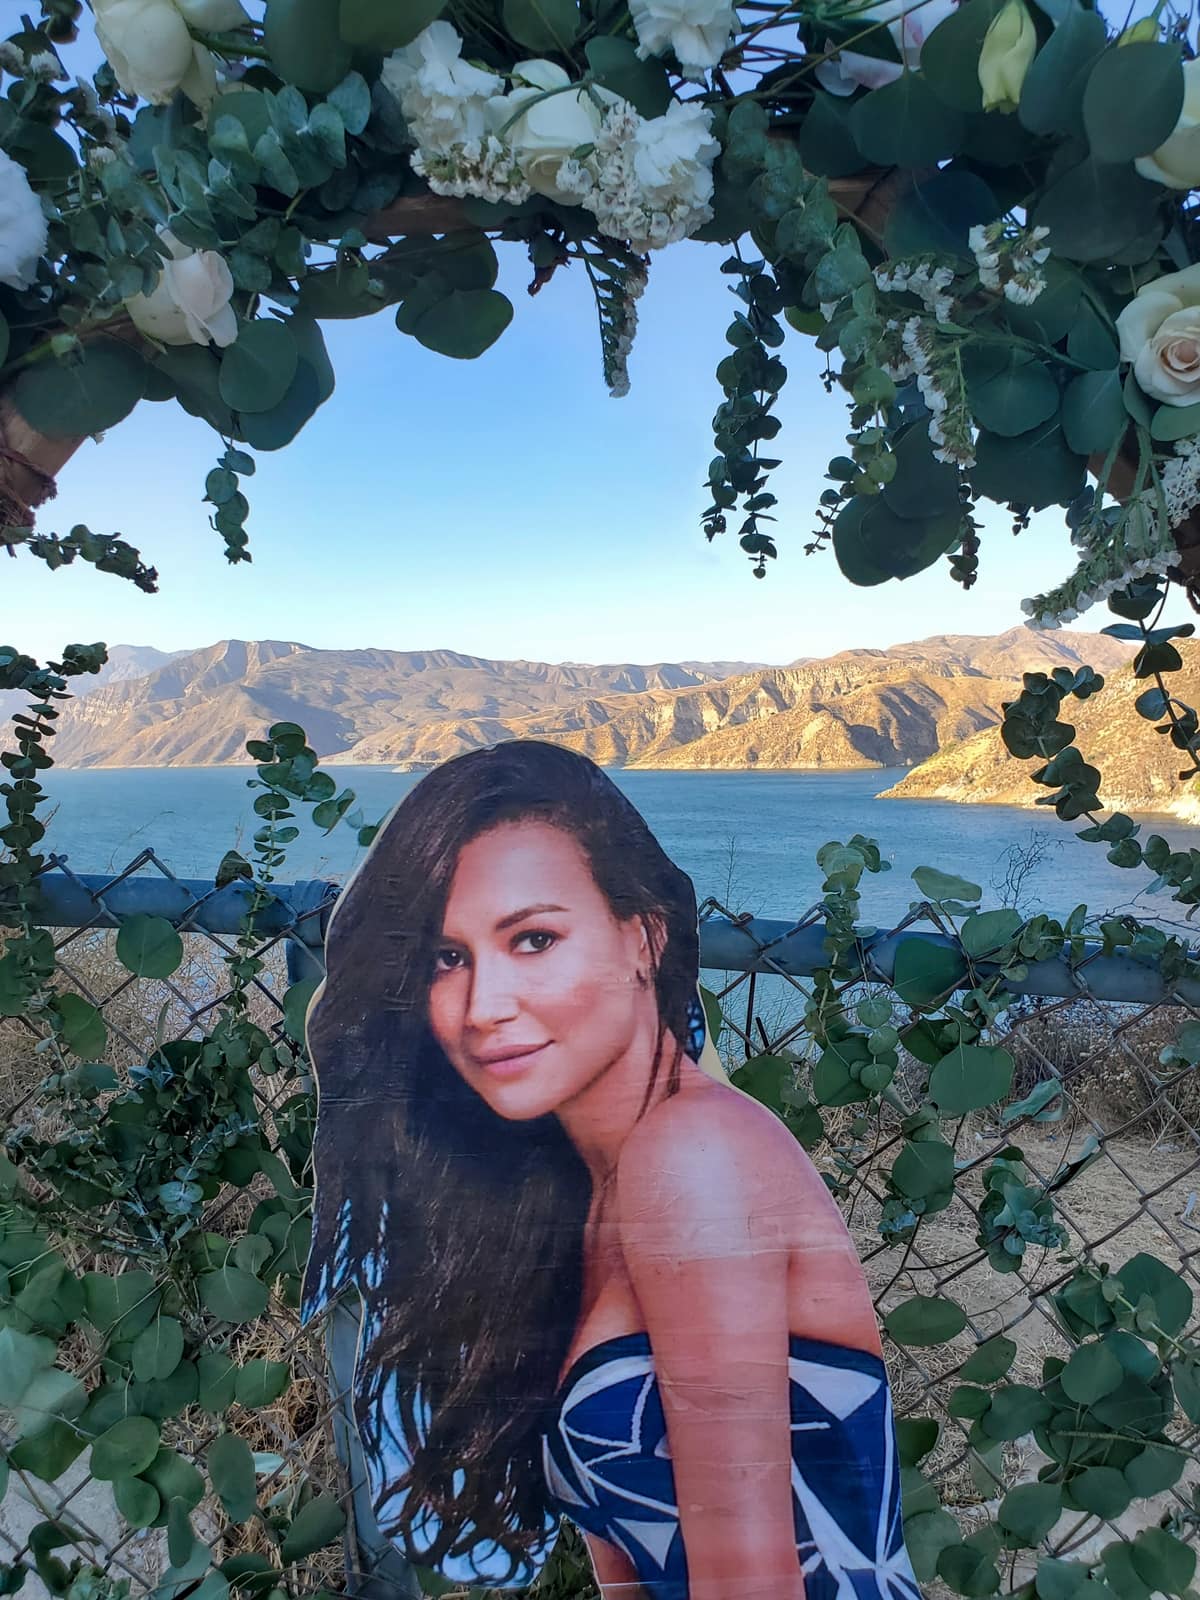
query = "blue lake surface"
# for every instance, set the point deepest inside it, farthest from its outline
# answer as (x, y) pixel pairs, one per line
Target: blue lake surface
(748, 839)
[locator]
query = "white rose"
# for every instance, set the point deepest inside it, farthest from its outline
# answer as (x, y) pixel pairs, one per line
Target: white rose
(851, 69)
(442, 96)
(22, 226)
(696, 30)
(544, 129)
(1177, 161)
(151, 51)
(190, 302)
(1160, 333)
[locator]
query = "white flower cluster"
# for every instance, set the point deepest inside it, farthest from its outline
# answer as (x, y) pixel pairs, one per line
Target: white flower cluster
(1010, 258)
(23, 230)
(696, 30)
(1138, 545)
(1181, 481)
(924, 279)
(647, 181)
(911, 350)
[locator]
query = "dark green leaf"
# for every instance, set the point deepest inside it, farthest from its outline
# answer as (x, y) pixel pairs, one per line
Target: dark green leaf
(1175, 422)
(464, 323)
(305, 42)
(939, 886)
(936, 213)
(1095, 212)
(950, 56)
(1052, 93)
(971, 1077)
(258, 367)
(542, 25)
(990, 1361)
(1092, 1372)
(232, 1295)
(385, 25)
(231, 1470)
(278, 426)
(904, 124)
(127, 1448)
(924, 1167)
(261, 1382)
(1133, 99)
(924, 974)
(616, 66)
(915, 1438)
(1011, 393)
(318, 1523)
(1101, 1490)
(1162, 1561)
(1093, 412)
(1144, 1275)
(84, 393)
(157, 1350)
(926, 1535)
(1029, 1511)
(149, 947)
(925, 1320)
(1035, 469)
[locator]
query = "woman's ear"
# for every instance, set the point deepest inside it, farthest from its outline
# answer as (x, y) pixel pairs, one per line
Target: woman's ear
(654, 939)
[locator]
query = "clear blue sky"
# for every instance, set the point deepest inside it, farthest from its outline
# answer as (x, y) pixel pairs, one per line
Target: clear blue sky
(505, 507)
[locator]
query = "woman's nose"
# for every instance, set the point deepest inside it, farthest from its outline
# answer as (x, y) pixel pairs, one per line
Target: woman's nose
(493, 999)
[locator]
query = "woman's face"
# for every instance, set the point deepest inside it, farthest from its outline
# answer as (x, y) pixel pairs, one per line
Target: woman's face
(536, 987)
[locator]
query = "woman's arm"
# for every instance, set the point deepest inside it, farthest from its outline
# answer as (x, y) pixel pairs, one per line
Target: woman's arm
(615, 1573)
(705, 1239)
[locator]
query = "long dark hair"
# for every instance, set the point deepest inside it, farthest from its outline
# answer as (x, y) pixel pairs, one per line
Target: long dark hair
(463, 1231)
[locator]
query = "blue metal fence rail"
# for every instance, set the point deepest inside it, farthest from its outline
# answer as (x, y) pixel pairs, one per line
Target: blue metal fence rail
(300, 913)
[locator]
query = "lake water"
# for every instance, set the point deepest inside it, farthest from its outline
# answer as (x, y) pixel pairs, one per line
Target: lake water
(748, 839)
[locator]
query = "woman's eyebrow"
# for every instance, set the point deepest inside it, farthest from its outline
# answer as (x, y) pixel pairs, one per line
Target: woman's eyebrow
(526, 911)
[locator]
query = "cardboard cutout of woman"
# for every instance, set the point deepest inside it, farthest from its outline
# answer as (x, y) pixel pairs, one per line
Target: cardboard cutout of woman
(597, 1280)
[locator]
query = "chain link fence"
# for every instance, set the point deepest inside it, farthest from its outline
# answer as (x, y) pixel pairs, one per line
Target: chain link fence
(1104, 1113)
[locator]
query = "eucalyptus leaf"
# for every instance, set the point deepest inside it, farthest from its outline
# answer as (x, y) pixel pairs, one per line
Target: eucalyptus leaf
(232, 1294)
(149, 947)
(317, 1524)
(258, 367)
(904, 124)
(231, 1471)
(84, 392)
(970, 1078)
(1093, 412)
(542, 25)
(1133, 99)
(925, 1320)
(305, 42)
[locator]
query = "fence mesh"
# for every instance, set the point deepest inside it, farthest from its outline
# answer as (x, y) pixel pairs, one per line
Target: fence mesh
(1120, 1124)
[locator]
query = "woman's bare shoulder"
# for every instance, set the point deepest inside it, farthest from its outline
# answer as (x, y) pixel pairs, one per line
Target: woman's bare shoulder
(710, 1151)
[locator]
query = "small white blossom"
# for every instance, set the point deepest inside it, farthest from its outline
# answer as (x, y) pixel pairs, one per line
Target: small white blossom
(11, 59)
(22, 226)
(696, 30)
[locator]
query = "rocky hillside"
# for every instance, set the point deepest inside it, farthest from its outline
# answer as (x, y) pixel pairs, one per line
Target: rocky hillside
(1140, 769)
(860, 708)
(199, 708)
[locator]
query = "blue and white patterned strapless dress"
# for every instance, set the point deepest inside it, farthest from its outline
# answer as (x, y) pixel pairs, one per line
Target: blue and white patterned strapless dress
(608, 1468)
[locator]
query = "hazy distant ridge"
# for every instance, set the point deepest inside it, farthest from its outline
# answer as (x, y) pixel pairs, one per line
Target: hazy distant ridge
(859, 708)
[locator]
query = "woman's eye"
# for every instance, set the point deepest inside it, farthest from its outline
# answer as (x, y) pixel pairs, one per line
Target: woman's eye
(447, 960)
(537, 940)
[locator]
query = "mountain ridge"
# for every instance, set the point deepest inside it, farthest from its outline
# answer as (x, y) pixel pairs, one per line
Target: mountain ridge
(412, 709)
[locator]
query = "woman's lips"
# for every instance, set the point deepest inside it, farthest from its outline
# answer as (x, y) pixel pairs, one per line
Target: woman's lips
(509, 1061)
